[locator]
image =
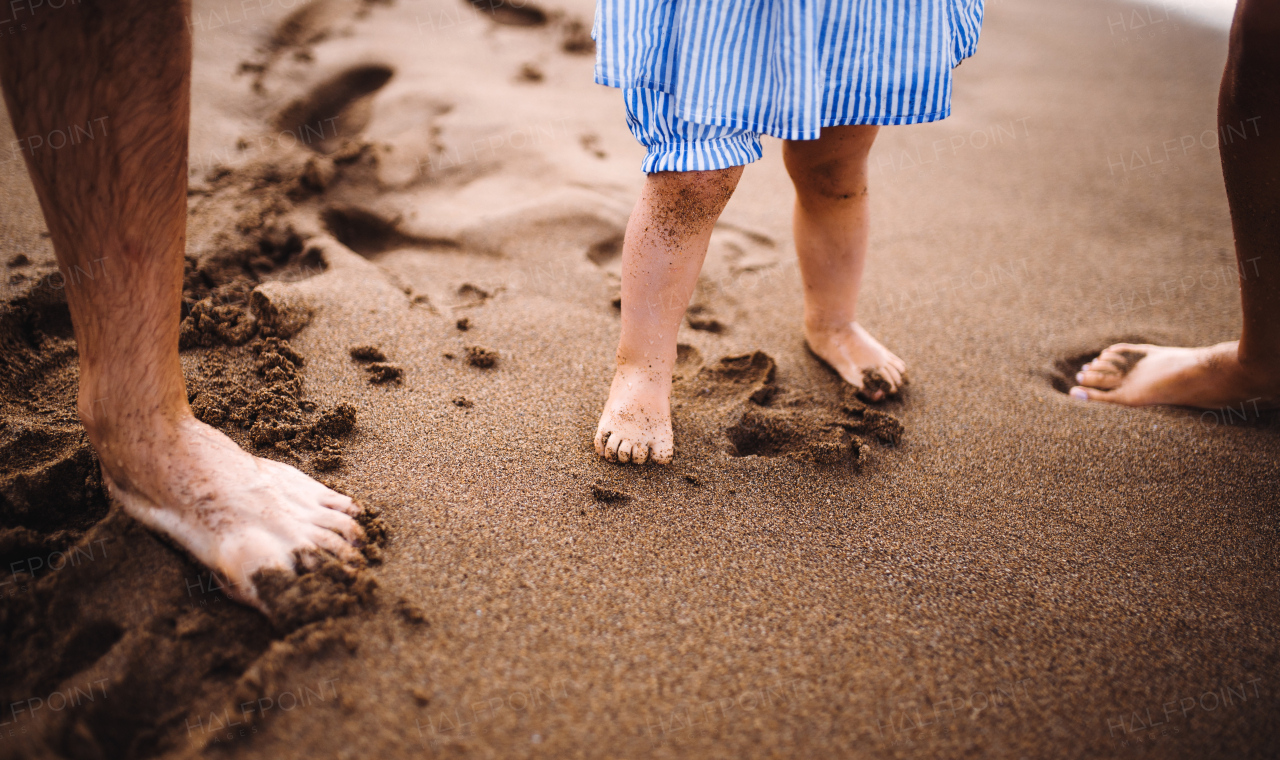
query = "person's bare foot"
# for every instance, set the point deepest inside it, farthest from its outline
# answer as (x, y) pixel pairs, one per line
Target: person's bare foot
(856, 356)
(635, 426)
(233, 512)
(1207, 378)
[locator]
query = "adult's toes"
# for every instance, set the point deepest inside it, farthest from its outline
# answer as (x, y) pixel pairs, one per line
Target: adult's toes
(341, 503)
(1092, 394)
(1124, 355)
(339, 523)
(1120, 348)
(335, 545)
(1093, 378)
(247, 594)
(1110, 356)
(1104, 364)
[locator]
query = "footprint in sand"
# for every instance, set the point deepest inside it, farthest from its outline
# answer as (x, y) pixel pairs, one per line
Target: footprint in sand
(739, 395)
(369, 233)
(49, 477)
(699, 317)
(337, 109)
(508, 13)
(309, 25)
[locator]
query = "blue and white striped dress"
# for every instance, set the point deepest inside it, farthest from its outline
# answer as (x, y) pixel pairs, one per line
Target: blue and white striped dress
(705, 78)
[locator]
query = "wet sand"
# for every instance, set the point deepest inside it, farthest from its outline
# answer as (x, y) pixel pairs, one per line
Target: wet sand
(1019, 575)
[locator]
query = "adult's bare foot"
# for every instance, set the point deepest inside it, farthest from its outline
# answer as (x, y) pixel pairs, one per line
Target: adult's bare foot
(635, 426)
(235, 513)
(1207, 378)
(860, 359)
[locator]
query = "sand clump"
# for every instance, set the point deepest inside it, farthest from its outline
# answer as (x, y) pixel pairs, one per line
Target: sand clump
(270, 403)
(376, 365)
(481, 357)
(384, 372)
(367, 354)
(330, 589)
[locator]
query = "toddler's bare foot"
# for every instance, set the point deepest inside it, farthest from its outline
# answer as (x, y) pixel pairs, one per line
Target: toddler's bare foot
(636, 424)
(1208, 377)
(853, 353)
(235, 513)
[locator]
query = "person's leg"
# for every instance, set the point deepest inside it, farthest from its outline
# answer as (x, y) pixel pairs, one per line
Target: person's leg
(662, 253)
(1249, 369)
(116, 206)
(832, 223)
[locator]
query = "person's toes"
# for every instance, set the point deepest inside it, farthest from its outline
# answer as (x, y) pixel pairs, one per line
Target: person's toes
(602, 437)
(1113, 362)
(639, 453)
(244, 592)
(663, 453)
(1092, 394)
(339, 523)
(611, 447)
(1101, 379)
(1123, 355)
(624, 452)
(340, 502)
(1121, 348)
(335, 545)
(891, 373)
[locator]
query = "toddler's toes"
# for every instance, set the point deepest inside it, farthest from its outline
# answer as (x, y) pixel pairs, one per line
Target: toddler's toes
(639, 453)
(611, 447)
(891, 373)
(624, 452)
(601, 437)
(663, 453)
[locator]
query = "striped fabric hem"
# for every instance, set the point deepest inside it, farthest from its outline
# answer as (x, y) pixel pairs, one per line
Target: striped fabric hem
(788, 67)
(703, 155)
(886, 121)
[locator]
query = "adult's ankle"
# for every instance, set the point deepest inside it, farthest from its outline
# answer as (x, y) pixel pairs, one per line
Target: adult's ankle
(118, 410)
(1262, 367)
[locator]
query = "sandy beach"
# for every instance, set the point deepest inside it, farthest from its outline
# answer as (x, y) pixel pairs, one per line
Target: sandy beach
(405, 220)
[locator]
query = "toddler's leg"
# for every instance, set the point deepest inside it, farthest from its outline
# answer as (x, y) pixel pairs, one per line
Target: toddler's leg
(831, 228)
(665, 244)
